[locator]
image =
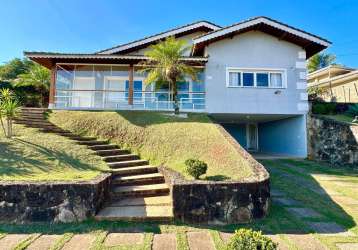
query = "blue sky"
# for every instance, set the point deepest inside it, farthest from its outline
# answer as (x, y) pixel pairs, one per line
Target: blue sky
(91, 25)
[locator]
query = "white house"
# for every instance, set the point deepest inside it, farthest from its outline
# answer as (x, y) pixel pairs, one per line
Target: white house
(253, 79)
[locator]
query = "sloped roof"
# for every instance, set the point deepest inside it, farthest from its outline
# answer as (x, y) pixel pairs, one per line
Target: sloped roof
(48, 59)
(311, 43)
(200, 25)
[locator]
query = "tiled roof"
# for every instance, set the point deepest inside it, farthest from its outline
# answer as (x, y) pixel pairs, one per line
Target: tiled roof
(159, 36)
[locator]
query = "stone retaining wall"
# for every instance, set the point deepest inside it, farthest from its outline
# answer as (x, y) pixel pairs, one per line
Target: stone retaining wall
(22, 202)
(332, 141)
(221, 202)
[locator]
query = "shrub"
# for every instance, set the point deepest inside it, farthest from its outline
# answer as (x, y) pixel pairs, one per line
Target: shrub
(195, 167)
(353, 110)
(247, 239)
(324, 108)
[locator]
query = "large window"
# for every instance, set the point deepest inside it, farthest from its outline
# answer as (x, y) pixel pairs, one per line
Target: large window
(237, 77)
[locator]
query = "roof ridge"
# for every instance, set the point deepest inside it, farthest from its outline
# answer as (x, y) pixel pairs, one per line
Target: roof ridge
(176, 28)
(267, 18)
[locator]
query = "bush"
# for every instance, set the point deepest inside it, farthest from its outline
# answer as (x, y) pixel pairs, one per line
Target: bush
(353, 110)
(247, 239)
(195, 167)
(324, 108)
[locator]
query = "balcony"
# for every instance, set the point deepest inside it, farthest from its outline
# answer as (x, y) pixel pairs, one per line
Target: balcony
(119, 100)
(119, 87)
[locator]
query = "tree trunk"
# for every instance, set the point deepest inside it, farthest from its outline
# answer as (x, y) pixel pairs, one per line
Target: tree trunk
(3, 126)
(8, 128)
(175, 97)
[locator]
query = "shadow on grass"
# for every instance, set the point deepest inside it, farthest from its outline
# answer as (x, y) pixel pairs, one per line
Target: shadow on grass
(218, 177)
(295, 180)
(13, 162)
(148, 118)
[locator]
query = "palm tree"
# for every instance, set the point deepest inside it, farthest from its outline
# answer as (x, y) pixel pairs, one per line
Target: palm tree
(165, 66)
(9, 108)
(319, 61)
(38, 77)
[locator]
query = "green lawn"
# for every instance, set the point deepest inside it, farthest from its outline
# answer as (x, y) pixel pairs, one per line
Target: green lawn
(161, 138)
(295, 179)
(36, 156)
(341, 118)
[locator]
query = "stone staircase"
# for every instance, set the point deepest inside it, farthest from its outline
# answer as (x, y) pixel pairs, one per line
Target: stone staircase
(138, 191)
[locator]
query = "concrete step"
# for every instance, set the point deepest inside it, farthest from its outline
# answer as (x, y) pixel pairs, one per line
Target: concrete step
(30, 119)
(121, 157)
(136, 213)
(33, 110)
(65, 133)
(56, 130)
(140, 190)
(46, 128)
(141, 201)
(131, 163)
(80, 138)
(143, 179)
(92, 143)
(147, 169)
(103, 147)
(109, 152)
(34, 123)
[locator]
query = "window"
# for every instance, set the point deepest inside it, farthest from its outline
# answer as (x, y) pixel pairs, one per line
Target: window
(234, 79)
(248, 79)
(262, 79)
(276, 80)
(259, 78)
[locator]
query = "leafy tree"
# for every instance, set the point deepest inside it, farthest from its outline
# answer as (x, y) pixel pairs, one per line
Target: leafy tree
(319, 61)
(37, 77)
(13, 68)
(9, 109)
(164, 66)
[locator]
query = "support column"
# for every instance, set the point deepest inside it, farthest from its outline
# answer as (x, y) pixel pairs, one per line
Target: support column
(51, 102)
(131, 85)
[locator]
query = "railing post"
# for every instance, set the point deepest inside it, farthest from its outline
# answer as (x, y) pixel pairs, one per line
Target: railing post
(51, 101)
(131, 87)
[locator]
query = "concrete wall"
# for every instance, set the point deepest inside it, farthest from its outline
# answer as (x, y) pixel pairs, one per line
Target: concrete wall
(238, 131)
(255, 50)
(286, 136)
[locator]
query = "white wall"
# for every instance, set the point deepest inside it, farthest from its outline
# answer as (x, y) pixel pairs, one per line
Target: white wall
(255, 49)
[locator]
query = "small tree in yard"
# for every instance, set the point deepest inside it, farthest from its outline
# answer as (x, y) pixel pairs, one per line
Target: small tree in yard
(195, 168)
(165, 66)
(9, 108)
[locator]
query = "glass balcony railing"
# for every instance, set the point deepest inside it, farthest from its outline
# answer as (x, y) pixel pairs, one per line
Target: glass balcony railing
(119, 100)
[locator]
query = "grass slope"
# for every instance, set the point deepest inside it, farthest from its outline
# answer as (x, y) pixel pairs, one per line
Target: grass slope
(161, 138)
(36, 156)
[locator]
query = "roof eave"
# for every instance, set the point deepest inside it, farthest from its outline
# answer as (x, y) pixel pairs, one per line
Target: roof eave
(157, 37)
(315, 44)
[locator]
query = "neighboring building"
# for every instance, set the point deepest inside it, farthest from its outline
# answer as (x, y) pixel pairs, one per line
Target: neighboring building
(253, 77)
(339, 84)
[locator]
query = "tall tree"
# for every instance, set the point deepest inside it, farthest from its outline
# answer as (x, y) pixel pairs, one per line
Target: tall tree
(165, 67)
(37, 77)
(15, 67)
(320, 60)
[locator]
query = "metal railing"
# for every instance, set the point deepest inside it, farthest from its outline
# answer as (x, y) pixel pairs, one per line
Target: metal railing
(119, 100)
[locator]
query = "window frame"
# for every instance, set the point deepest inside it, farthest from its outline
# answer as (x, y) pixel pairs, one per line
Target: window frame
(256, 71)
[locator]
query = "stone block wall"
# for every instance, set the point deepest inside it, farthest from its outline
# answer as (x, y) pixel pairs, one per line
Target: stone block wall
(332, 141)
(221, 202)
(22, 202)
